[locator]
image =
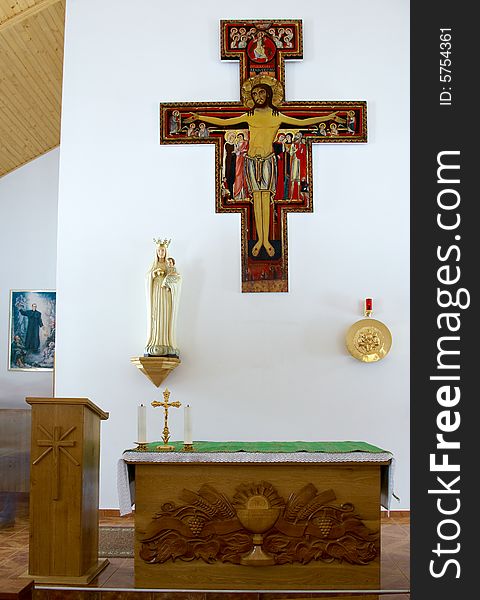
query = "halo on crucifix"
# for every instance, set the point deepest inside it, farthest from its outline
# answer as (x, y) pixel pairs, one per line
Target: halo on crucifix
(249, 84)
(263, 144)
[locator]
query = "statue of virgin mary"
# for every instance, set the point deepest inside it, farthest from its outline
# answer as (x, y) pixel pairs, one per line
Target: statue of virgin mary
(163, 285)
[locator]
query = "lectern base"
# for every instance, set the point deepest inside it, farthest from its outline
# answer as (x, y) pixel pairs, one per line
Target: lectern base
(60, 579)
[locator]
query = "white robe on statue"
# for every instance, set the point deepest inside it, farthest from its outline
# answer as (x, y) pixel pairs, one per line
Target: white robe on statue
(163, 295)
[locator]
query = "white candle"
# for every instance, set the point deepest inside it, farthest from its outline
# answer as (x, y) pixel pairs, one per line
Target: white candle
(142, 424)
(187, 425)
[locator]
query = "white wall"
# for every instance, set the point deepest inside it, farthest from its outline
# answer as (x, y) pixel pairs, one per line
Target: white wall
(254, 366)
(28, 251)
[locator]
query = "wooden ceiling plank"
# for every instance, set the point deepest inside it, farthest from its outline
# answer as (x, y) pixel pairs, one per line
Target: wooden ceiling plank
(10, 148)
(26, 72)
(25, 14)
(20, 115)
(6, 166)
(48, 44)
(18, 124)
(19, 100)
(3, 170)
(33, 45)
(36, 31)
(22, 151)
(24, 160)
(25, 75)
(35, 134)
(57, 13)
(15, 150)
(22, 126)
(55, 16)
(15, 121)
(14, 145)
(11, 156)
(54, 24)
(29, 108)
(30, 159)
(52, 36)
(13, 108)
(31, 70)
(40, 65)
(10, 8)
(9, 141)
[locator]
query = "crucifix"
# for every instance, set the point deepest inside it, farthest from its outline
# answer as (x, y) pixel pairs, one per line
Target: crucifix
(56, 443)
(166, 432)
(263, 144)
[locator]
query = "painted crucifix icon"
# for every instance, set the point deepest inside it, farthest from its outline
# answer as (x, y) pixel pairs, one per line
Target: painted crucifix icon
(263, 159)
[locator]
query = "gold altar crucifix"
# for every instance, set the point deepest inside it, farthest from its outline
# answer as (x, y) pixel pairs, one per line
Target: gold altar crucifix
(263, 145)
(56, 443)
(166, 433)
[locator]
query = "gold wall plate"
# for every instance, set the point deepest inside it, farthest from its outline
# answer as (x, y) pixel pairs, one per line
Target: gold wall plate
(369, 340)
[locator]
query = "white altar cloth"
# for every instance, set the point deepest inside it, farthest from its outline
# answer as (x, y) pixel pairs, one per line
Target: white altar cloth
(126, 470)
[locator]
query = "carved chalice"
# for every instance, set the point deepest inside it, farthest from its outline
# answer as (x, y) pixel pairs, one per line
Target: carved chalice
(258, 516)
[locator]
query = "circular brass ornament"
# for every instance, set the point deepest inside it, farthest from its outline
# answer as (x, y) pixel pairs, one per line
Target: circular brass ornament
(369, 340)
(251, 82)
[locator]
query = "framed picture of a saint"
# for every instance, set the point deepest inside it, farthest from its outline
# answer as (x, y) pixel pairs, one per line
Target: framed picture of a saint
(32, 330)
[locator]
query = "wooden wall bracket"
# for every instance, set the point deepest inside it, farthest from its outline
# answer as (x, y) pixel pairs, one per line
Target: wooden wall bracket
(156, 368)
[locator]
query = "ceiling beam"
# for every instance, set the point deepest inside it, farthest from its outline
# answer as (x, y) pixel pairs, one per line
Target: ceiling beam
(25, 14)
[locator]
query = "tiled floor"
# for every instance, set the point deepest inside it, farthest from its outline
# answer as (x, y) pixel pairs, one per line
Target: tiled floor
(395, 569)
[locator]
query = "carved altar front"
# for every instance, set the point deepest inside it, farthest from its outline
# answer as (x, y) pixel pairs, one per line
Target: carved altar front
(241, 520)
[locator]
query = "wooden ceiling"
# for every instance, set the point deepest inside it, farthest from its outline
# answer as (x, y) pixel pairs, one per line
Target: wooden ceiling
(31, 67)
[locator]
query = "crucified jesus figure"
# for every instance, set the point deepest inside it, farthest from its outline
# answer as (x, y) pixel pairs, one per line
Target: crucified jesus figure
(264, 121)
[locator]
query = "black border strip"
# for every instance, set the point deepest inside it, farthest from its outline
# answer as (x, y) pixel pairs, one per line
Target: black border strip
(443, 132)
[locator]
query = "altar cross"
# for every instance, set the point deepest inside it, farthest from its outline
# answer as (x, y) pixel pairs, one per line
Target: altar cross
(263, 144)
(166, 405)
(56, 443)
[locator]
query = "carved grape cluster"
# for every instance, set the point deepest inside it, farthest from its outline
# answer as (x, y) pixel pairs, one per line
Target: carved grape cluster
(196, 524)
(324, 524)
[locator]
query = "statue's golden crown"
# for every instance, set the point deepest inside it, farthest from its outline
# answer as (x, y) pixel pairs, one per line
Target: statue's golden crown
(164, 243)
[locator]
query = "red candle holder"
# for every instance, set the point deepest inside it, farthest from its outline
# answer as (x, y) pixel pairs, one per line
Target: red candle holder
(368, 308)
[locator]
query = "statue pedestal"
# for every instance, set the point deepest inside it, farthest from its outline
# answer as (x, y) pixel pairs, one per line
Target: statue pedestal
(156, 368)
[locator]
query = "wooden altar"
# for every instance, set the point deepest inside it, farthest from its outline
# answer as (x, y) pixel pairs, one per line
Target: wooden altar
(258, 520)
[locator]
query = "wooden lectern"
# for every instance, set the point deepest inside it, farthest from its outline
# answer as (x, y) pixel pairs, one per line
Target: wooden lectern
(64, 472)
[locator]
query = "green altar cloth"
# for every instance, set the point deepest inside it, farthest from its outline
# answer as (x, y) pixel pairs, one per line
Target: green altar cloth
(251, 452)
(274, 447)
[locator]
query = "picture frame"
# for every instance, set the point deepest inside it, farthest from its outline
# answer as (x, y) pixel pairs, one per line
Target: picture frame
(31, 339)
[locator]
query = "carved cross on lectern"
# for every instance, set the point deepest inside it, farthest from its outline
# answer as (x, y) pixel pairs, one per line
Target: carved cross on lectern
(56, 443)
(263, 145)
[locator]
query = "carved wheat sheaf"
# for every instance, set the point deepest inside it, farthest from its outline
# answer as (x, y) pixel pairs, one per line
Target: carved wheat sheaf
(258, 527)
